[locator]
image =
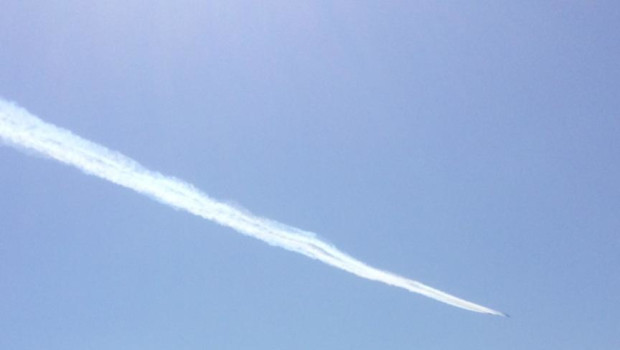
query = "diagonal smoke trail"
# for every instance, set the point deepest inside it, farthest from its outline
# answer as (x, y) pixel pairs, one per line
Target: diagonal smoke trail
(23, 130)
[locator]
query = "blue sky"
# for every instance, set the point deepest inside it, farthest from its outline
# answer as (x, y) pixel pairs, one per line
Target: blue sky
(472, 147)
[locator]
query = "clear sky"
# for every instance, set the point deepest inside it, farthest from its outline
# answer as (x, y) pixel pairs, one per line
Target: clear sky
(472, 147)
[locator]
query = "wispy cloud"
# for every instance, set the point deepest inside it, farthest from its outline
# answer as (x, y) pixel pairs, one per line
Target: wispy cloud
(21, 129)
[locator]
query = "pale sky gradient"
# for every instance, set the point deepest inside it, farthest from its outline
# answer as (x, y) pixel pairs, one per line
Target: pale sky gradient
(473, 147)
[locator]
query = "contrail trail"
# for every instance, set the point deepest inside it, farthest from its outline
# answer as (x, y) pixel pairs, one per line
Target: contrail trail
(21, 129)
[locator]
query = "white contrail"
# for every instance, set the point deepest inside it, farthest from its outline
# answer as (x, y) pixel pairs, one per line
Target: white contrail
(21, 129)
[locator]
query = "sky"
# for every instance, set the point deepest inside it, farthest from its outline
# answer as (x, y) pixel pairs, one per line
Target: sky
(470, 146)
